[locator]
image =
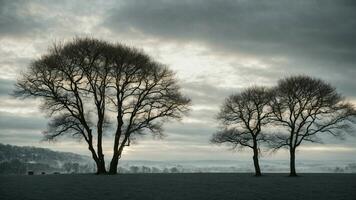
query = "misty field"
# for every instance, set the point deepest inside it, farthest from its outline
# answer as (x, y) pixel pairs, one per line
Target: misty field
(179, 186)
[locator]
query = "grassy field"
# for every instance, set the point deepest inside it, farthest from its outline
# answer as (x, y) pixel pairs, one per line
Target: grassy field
(179, 186)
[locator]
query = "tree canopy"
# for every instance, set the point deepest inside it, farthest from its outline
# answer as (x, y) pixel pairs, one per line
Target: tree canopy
(243, 116)
(86, 83)
(307, 107)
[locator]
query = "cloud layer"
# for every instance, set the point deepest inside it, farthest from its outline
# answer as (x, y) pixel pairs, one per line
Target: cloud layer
(215, 47)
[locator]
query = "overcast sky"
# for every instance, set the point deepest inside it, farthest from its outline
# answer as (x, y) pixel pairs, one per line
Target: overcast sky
(216, 48)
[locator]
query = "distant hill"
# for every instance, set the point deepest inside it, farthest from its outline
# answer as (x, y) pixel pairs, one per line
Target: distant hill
(20, 160)
(39, 155)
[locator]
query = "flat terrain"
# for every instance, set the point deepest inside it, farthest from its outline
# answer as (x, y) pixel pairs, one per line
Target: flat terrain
(179, 186)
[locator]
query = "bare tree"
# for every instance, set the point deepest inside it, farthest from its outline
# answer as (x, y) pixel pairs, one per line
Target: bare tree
(242, 117)
(308, 107)
(85, 82)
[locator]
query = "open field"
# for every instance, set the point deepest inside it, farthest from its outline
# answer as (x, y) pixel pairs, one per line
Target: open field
(179, 186)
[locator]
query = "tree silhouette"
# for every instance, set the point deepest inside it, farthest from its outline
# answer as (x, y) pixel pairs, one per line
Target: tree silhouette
(242, 116)
(308, 107)
(87, 82)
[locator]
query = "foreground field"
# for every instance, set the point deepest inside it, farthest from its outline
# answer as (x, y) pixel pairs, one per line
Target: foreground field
(179, 186)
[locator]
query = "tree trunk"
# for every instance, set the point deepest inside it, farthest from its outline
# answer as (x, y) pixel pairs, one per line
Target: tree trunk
(116, 156)
(116, 153)
(292, 162)
(100, 164)
(100, 167)
(113, 163)
(115, 160)
(255, 162)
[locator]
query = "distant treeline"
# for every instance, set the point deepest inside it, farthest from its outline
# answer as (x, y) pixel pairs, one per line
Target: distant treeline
(18, 167)
(349, 168)
(145, 169)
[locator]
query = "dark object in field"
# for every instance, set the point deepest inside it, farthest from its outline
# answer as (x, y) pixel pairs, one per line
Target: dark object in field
(43, 173)
(30, 173)
(56, 173)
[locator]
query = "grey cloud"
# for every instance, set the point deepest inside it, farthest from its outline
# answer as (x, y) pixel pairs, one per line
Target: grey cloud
(20, 136)
(38, 18)
(342, 78)
(10, 121)
(203, 93)
(15, 19)
(191, 129)
(6, 86)
(207, 115)
(317, 37)
(311, 28)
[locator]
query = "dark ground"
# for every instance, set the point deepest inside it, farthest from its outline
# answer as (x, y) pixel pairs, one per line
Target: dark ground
(179, 186)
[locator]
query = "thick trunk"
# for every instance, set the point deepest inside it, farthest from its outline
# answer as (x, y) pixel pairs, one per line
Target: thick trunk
(101, 164)
(116, 150)
(100, 167)
(255, 162)
(115, 160)
(116, 156)
(113, 164)
(292, 162)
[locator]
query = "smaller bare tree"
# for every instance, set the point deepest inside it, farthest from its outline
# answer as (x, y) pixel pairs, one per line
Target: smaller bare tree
(242, 116)
(308, 107)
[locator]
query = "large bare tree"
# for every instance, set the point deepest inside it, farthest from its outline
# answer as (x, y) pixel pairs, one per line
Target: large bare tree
(86, 83)
(308, 107)
(242, 117)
